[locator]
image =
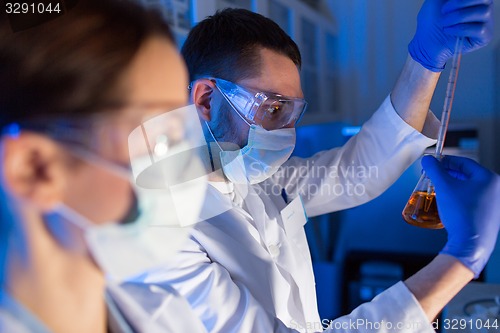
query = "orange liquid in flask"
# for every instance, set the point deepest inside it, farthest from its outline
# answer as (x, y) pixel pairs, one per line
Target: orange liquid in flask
(421, 210)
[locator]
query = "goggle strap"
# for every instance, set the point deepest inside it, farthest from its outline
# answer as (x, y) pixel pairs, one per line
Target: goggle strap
(232, 106)
(98, 161)
(213, 136)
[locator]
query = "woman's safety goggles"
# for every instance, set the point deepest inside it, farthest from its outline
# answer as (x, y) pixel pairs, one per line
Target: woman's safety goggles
(169, 152)
(268, 110)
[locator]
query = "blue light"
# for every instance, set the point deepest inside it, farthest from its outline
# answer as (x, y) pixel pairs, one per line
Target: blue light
(349, 131)
(13, 130)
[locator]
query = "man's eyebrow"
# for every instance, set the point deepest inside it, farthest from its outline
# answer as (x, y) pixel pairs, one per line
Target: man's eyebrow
(268, 91)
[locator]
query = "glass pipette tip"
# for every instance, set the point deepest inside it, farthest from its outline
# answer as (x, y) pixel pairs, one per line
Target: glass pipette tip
(448, 103)
(450, 95)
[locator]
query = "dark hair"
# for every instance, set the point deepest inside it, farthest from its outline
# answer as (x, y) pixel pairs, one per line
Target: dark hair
(70, 66)
(226, 45)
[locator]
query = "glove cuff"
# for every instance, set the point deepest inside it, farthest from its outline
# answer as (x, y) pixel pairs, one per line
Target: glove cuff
(422, 57)
(473, 260)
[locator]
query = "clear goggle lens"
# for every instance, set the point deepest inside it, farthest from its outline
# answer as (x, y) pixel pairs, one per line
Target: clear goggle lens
(269, 110)
(168, 149)
(169, 153)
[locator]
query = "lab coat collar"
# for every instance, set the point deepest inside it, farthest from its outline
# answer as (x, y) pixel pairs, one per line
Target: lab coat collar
(223, 187)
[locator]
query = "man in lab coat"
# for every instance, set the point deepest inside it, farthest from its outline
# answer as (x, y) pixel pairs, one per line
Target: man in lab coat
(248, 267)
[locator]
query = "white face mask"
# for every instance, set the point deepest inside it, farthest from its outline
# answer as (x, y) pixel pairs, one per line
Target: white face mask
(166, 164)
(265, 152)
(123, 250)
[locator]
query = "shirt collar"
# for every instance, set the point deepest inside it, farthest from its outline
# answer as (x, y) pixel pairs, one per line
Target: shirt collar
(223, 187)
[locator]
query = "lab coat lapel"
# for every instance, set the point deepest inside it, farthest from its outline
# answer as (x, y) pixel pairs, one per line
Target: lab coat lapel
(267, 220)
(282, 273)
(249, 262)
(295, 256)
(255, 208)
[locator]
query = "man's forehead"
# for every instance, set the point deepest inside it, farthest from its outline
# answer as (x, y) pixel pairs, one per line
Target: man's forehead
(281, 88)
(277, 74)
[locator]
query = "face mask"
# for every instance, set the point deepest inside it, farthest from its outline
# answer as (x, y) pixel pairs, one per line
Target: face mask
(123, 250)
(177, 161)
(265, 152)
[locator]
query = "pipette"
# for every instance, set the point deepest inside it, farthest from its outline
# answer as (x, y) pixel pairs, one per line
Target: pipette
(421, 208)
(448, 103)
(450, 94)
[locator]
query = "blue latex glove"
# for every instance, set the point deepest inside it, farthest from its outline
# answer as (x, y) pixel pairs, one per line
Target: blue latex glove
(468, 200)
(440, 22)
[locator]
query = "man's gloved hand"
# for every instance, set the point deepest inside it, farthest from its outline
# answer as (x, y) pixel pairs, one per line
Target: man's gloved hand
(440, 22)
(468, 200)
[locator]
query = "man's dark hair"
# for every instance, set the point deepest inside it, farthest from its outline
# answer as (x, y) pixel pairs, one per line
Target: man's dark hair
(226, 45)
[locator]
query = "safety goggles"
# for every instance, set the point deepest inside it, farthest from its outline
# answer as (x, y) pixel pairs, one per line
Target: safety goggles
(168, 149)
(268, 110)
(169, 152)
(162, 135)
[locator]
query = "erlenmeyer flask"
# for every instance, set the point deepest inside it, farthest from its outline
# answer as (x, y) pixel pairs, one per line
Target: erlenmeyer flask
(421, 209)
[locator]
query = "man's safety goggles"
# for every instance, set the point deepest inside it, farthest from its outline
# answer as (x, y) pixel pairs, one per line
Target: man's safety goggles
(268, 110)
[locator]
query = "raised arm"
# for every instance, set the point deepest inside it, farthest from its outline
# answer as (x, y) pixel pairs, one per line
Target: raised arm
(439, 24)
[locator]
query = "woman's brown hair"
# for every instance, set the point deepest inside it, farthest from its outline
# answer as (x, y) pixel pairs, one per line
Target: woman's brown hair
(69, 66)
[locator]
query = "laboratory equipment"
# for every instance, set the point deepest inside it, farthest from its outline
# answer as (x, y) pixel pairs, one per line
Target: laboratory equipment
(476, 308)
(421, 209)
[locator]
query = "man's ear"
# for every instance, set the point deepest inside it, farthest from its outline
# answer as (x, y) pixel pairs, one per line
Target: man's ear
(202, 93)
(33, 169)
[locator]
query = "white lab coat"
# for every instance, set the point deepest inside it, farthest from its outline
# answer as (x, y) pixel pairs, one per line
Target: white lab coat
(132, 308)
(143, 308)
(245, 268)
